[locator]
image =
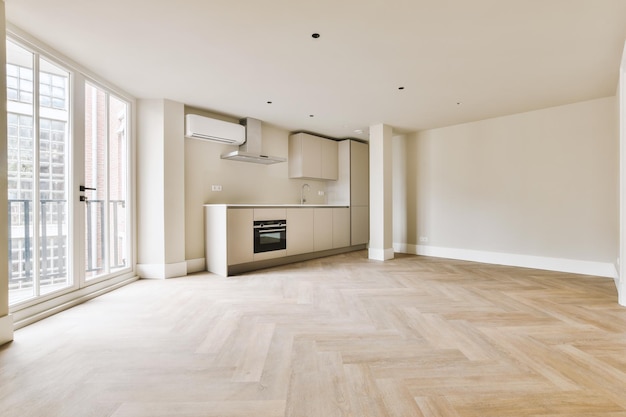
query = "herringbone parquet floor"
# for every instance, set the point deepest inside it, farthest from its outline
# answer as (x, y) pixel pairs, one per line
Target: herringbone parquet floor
(339, 336)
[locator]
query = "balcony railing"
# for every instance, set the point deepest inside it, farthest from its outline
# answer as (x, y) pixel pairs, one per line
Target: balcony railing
(53, 240)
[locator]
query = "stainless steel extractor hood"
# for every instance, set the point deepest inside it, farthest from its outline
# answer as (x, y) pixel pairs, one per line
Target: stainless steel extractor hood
(250, 151)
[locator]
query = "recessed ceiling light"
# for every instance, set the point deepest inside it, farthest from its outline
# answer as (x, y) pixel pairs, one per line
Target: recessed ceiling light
(315, 35)
(358, 131)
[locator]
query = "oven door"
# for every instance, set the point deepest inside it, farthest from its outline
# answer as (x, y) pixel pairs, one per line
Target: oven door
(270, 235)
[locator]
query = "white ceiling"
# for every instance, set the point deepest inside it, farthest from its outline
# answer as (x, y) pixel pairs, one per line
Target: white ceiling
(495, 57)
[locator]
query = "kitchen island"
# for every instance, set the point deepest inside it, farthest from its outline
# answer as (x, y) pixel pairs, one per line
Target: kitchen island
(245, 237)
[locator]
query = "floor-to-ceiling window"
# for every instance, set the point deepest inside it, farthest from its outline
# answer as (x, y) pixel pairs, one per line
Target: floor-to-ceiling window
(68, 178)
(38, 169)
(106, 179)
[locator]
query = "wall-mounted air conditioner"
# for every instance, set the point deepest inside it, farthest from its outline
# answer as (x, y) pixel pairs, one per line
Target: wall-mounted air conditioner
(200, 127)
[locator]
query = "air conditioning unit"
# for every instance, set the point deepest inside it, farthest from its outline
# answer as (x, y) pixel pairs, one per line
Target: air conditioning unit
(200, 127)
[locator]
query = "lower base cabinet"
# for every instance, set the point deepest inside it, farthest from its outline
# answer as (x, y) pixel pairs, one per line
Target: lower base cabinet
(323, 235)
(299, 231)
(240, 239)
(341, 227)
(229, 236)
(360, 225)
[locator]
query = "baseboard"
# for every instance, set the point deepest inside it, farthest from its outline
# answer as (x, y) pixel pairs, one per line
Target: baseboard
(6, 329)
(195, 265)
(380, 254)
(162, 271)
(574, 266)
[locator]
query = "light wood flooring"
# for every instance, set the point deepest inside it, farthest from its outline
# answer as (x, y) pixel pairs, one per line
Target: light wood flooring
(339, 336)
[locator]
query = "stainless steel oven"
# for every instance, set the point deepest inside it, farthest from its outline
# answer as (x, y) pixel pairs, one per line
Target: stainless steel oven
(270, 235)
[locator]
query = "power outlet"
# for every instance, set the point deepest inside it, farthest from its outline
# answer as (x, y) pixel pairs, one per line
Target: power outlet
(216, 188)
(320, 192)
(423, 239)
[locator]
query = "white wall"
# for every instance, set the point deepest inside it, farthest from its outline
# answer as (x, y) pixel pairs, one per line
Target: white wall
(242, 182)
(538, 184)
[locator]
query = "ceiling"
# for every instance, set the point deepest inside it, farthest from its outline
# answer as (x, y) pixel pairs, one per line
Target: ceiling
(457, 60)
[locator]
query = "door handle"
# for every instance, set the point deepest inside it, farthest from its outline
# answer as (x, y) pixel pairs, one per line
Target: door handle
(83, 188)
(83, 198)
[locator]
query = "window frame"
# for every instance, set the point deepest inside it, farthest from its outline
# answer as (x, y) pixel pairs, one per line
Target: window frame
(30, 310)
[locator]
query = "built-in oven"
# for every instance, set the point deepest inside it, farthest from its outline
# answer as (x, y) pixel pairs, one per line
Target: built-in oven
(270, 235)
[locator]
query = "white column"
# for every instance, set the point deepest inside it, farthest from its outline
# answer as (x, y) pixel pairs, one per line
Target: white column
(381, 207)
(160, 189)
(621, 283)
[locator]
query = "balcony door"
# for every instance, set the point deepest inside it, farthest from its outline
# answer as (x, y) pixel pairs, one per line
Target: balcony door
(67, 177)
(106, 243)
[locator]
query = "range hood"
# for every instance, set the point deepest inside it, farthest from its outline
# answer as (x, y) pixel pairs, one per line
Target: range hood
(250, 151)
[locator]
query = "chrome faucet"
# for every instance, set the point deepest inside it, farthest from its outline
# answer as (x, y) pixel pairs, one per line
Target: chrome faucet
(302, 198)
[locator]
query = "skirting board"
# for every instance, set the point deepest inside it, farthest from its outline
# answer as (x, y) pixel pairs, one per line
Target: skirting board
(380, 254)
(601, 269)
(162, 271)
(6, 329)
(196, 265)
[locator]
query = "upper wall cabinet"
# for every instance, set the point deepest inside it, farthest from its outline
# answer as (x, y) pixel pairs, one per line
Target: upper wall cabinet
(312, 157)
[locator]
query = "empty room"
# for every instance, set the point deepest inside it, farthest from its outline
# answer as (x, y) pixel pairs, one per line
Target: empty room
(307, 209)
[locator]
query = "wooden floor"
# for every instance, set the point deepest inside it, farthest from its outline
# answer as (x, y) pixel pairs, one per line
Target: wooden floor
(340, 336)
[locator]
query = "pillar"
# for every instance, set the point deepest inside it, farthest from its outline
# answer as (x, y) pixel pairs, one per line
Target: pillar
(381, 206)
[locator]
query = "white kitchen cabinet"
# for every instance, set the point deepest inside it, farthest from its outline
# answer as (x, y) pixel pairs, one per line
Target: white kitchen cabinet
(329, 159)
(229, 239)
(323, 234)
(240, 241)
(270, 214)
(312, 157)
(359, 174)
(299, 231)
(341, 227)
(352, 188)
(360, 225)
(312, 231)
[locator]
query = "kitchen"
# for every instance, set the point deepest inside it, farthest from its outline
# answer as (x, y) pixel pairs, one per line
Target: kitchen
(201, 177)
(243, 237)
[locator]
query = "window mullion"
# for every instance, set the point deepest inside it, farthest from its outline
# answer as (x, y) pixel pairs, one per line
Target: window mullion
(36, 258)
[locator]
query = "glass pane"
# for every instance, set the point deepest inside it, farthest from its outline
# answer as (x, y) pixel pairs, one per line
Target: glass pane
(118, 240)
(95, 177)
(107, 249)
(53, 187)
(20, 175)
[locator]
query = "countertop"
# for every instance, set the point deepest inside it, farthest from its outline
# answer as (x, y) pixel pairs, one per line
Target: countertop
(277, 205)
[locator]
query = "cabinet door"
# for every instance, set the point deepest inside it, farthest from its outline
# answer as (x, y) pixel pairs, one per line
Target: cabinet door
(341, 227)
(240, 240)
(305, 154)
(360, 225)
(299, 231)
(270, 214)
(359, 174)
(323, 234)
(311, 157)
(330, 159)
